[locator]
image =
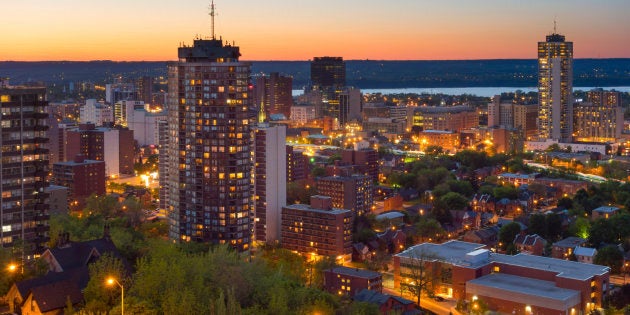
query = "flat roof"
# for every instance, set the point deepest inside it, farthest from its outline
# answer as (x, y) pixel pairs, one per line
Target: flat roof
(564, 268)
(524, 290)
(355, 272)
(453, 252)
(304, 207)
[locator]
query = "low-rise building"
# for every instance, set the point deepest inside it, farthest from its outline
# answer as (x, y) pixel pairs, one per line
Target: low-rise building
(585, 254)
(604, 212)
(318, 229)
(350, 281)
(563, 249)
(530, 244)
(506, 283)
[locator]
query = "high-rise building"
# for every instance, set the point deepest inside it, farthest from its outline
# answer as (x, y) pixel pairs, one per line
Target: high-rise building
(555, 88)
(210, 138)
(297, 164)
(163, 163)
(82, 178)
(275, 92)
(144, 86)
(114, 146)
(600, 118)
(270, 186)
(328, 72)
(513, 114)
(23, 169)
(348, 192)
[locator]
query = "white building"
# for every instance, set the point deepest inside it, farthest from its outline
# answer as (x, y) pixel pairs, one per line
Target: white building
(145, 125)
(96, 113)
(302, 114)
(124, 109)
(270, 184)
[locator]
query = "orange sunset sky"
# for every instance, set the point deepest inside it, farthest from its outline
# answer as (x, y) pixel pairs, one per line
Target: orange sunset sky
(151, 30)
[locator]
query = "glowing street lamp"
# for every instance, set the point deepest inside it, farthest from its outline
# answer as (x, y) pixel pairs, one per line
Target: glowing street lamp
(110, 281)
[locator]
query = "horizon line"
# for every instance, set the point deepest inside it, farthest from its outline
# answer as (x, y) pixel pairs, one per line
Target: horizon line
(303, 60)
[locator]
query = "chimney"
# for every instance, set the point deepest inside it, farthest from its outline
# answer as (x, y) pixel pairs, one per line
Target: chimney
(106, 231)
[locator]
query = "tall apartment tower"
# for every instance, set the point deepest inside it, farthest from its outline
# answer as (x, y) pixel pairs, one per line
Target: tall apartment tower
(270, 185)
(23, 170)
(555, 88)
(210, 135)
(275, 92)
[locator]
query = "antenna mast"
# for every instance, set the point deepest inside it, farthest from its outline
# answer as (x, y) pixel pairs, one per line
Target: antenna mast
(554, 25)
(212, 15)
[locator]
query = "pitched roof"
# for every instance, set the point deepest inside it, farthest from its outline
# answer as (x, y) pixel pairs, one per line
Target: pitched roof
(584, 251)
(76, 254)
(376, 297)
(55, 295)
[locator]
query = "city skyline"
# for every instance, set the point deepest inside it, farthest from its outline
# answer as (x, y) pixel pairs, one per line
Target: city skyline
(297, 30)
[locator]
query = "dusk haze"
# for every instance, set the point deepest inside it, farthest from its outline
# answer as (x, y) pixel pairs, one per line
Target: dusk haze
(148, 30)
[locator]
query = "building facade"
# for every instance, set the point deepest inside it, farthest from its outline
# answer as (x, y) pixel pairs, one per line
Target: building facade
(270, 186)
(275, 92)
(328, 72)
(555, 88)
(350, 281)
(516, 284)
(453, 118)
(114, 146)
(23, 169)
(600, 118)
(348, 192)
(209, 148)
(318, 230)
(96, 112)
(82, 178)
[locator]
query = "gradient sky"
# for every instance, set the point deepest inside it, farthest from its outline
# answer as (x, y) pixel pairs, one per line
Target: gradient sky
(137, 30)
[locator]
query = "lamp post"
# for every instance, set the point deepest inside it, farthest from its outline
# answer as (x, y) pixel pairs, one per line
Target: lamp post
(111, 281)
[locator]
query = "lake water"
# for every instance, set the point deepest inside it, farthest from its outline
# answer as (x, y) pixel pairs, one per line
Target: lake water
(479, 91)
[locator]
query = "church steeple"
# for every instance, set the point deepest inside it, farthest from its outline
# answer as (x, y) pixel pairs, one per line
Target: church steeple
(262, 115)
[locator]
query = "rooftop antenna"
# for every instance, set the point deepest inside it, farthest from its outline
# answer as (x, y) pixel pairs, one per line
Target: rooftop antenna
(554, 24)
(212, 15)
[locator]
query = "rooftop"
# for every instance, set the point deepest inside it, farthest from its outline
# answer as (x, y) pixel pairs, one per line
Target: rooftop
(605, 209)
(525, 290)
(305, 207)
(563, 268)
(453, 252)
(355, 272)
(570, 242)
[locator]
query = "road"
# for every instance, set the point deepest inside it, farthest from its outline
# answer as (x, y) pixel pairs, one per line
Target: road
(440, 308)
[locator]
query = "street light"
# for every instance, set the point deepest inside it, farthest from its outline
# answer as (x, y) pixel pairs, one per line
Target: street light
(111, 281)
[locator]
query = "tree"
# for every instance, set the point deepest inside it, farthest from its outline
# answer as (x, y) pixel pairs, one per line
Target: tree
(98, 296)
(417, 272)
(609, 256)
(427, 228)
(507, 233)
(565, 203)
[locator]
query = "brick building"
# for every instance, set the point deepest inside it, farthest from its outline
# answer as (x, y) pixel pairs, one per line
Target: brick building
(82, 177)
(318, 229)
(348, 192)
(517, 284)
(350, 281)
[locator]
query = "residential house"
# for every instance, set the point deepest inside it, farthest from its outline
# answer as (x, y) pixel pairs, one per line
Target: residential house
(604, 212)
(530, 244)
(563, 249)
(585, 254)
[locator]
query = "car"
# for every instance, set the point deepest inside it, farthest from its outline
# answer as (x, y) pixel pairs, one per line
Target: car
(438, 298)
